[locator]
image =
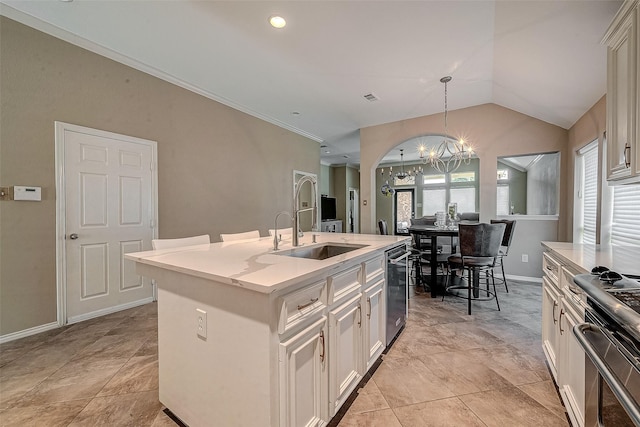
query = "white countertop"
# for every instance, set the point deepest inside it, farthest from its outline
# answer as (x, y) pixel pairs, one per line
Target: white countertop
(253, 264)
(622, 259)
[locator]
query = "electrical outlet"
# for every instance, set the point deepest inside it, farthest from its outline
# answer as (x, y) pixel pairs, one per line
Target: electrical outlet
(525, 257)
(201, 319)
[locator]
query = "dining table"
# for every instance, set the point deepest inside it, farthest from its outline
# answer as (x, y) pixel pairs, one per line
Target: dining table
(431, 232)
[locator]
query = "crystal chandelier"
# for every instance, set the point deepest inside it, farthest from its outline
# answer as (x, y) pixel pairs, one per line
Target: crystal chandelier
(449, 154)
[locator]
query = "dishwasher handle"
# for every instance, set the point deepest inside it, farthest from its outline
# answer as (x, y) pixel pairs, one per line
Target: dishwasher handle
(400, 258)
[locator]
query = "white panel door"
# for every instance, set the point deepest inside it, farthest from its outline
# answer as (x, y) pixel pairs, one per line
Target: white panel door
(109, 211)
(375, 325)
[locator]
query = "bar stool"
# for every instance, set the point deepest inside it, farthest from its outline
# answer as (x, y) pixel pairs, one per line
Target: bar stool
(479, 247)
(504, 246)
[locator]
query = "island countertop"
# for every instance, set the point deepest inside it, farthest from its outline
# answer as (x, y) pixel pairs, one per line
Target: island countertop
(254, 265)
(622, 259)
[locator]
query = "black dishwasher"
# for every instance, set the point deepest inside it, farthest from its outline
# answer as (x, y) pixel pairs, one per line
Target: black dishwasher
(397, 294)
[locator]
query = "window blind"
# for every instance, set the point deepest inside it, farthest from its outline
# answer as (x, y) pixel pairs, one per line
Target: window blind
(625, 222)
(590, 195)
(502, 207)
(434, 200)
(465, 197)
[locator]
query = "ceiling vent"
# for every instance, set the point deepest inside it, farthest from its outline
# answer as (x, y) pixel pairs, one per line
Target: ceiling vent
(371, 97)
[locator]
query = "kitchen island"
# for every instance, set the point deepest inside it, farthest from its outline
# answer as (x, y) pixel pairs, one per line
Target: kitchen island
(252, 337)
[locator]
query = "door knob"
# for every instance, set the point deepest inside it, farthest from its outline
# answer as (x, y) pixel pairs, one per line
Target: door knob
(73, 236)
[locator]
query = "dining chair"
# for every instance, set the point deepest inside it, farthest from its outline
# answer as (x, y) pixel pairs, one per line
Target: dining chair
(382, 225)
(504, 246)
(281, 231)
(183, 241)
(479, 247)
(247, 235)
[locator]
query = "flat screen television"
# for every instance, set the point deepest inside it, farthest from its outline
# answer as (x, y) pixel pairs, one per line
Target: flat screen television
(328, 208)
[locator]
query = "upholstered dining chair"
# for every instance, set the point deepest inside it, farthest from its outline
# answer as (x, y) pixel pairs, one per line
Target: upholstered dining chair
(382, 225)
(183, 241)
(247, 235)
(504, 246)
(479, 247)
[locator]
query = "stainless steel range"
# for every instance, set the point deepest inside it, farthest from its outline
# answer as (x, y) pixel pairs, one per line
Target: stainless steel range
(610, 337)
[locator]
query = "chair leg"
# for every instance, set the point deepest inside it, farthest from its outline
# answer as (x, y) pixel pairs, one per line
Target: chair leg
(493, 278)
(469, 291)
(503, 276)
(446, 283)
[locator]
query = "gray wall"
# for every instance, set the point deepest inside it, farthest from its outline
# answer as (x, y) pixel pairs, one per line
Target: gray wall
(543, 184)
(219, 170)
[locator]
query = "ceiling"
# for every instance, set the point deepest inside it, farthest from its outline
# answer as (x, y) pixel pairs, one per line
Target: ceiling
(540, 58)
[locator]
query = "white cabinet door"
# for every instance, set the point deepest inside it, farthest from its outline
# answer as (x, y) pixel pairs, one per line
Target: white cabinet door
(303, 377)
(622, 93)
(374, 324)
(550, 315)
(345, 351)
(571, 373)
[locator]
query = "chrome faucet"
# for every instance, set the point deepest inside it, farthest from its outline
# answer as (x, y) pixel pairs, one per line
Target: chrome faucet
(275, 231)
(296, 211)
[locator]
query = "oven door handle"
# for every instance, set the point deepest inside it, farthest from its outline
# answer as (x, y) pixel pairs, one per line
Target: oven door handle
(609, 376)
(400, 258)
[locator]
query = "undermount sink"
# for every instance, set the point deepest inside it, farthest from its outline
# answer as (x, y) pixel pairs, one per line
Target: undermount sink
(323, 251)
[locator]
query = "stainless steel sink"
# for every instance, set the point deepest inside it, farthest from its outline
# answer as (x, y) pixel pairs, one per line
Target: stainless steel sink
(323, 251)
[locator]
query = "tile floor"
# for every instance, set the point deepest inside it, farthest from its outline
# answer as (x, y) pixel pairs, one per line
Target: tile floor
(445, 369)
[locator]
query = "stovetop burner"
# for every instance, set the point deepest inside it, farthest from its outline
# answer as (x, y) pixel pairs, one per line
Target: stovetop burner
(629, 297)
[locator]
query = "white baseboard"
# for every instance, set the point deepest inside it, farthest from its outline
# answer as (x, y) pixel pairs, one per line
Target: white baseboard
(49, 326)
(525, 278)
(105, 311)
(28, 332)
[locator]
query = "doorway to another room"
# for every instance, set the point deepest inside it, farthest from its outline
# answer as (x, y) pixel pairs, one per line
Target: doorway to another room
(404, 208)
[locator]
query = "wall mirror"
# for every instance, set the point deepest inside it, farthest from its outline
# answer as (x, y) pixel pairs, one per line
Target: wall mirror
(528, 184)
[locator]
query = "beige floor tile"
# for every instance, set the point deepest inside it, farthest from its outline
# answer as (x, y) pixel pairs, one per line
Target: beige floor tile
(52, 415)
(138, 374)
(163, 420)
(382, 418)
(440, 413)
(407, 381)
(510, 407)
(369, 399)
(545, 393)
(135, 409)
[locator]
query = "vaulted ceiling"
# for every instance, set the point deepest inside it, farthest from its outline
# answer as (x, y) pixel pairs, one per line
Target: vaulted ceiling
(540, 58)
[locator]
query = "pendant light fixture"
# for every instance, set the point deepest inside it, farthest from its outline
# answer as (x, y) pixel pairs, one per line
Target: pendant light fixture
(450, 153)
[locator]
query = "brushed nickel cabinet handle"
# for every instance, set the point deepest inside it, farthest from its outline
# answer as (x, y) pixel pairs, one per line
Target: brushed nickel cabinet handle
(322, 346)
(359, 315)
(627, 155)
(553, 312)
(560, 320)
(303, 306)
(369, 304)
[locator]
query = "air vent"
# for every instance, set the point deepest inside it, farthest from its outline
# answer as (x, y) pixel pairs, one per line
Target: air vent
(371, 97)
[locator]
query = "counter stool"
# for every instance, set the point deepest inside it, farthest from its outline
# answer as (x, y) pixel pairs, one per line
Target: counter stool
(479, 246)
(504, 246)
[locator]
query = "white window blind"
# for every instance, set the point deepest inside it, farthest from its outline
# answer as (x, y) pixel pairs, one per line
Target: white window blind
(433, 201)
(465, 197)
(625, 222)
(590, 195)
(502, 207)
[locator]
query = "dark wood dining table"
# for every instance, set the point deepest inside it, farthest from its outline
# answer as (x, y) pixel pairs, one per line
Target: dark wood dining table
(432, 232)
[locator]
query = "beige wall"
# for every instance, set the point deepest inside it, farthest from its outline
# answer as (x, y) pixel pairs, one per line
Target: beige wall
(492, 130)
(219, 170)
(589, 127)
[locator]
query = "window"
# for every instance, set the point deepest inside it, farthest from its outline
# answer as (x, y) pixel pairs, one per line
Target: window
(409, 180)
(434, 200)
(503, 174)
(503, 200)
(625, 226)
(441, 189)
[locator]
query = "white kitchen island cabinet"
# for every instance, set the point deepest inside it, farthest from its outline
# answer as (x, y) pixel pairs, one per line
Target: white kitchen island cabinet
(247, 337)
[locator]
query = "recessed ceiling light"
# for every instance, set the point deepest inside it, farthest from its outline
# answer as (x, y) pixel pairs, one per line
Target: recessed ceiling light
(327, 152)
(277, 21)
(295, 113)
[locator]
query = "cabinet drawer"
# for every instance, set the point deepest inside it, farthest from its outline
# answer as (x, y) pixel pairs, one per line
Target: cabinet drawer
(296, 307)
(372, 268)
(551, 268)
(343, 284)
